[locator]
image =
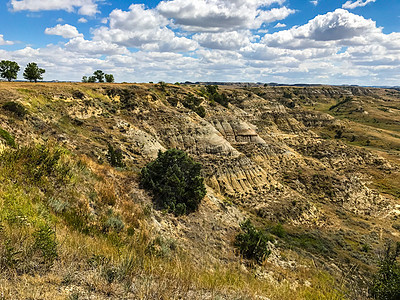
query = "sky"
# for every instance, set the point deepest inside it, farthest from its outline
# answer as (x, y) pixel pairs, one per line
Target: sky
(283, 41)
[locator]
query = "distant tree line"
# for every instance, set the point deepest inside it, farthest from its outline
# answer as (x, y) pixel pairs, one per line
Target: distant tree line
(98, 76)
(9, 70)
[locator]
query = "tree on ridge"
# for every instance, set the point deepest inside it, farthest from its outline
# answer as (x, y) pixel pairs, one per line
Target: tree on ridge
(33, 73)
(9, 69)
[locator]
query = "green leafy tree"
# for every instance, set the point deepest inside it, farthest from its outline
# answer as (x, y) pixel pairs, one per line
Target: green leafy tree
(109, 77)
(386, 283)
(175, 180)
(92, 79)
(9, 69)
(99, 75)
(84, 79)
(33, 73)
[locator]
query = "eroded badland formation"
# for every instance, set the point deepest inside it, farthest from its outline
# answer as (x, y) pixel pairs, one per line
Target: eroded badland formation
(317, 168)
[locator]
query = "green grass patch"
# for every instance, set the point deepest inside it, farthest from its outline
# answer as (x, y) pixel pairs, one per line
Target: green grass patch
(312, 241)
(386, 187)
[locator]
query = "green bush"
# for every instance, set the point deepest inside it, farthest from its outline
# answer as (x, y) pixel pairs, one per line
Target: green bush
(252, 243)
(115, 157)
(287, 95)
(386, 282)
(175, 180)
(347, 99)
(278, 230)
(16, 108)
(7, 137)
(193, 103)
(46, 244)
(214, 96)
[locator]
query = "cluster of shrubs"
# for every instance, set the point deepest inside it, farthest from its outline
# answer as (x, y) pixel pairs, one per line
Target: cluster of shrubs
(98, 76)
(212, 93)
(192, 102)
(27, 240)
(345, 100)
(35, 163)
(37, 251)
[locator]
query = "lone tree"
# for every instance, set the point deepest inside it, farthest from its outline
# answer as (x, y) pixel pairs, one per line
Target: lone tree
(175, 180)
(99, 74)
(33, 73)
(9, 69)
(109, 77)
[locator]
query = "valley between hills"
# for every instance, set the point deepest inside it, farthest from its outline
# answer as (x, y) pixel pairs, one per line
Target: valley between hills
(316, 169)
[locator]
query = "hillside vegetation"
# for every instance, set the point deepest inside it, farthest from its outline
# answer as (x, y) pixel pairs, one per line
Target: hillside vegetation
(302, 190)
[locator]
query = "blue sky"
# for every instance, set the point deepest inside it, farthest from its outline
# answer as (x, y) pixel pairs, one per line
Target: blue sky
(292, 41)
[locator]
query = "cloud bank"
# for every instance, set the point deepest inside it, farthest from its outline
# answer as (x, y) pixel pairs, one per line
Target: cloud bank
(183, 40)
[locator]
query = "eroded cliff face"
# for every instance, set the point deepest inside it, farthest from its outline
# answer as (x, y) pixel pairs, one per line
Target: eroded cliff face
(262, 156)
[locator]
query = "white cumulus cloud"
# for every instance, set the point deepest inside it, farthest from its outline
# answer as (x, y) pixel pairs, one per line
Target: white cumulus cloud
(280, 25)
(222, 15)
(80, 45)
(85, 7)
(223, 40)
(358, 3)
(142, 28)
(324, 30)
(4, 42)
(66, 31)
